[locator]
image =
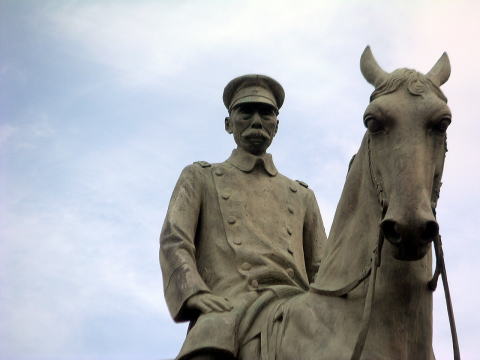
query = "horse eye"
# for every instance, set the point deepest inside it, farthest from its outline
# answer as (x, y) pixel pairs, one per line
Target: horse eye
(442, 125)
(373, 125)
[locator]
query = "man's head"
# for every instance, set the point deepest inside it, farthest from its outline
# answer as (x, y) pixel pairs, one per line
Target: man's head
(253, 102)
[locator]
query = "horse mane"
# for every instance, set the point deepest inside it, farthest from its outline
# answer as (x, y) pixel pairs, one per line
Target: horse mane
(416, 83)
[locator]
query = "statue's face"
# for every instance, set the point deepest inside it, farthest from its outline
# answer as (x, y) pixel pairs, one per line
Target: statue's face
(253, 126)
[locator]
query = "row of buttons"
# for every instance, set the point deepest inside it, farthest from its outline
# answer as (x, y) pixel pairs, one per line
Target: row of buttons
(225, 196)
(291, 210)
(232, 221)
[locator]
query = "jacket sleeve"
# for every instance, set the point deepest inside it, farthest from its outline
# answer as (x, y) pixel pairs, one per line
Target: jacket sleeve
(314, 236)
(181, 279)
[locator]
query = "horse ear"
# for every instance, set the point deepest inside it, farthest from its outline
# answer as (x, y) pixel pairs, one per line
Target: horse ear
(372, 72)
(440, 71)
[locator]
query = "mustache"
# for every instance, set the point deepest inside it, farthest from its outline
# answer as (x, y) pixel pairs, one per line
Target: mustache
(256, 133)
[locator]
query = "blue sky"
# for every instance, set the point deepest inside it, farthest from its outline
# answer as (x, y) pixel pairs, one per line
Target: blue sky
(102, 103)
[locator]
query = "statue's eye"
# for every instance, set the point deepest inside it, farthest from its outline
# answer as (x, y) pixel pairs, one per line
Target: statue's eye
(442, 125)
(267, 112)
(245, 110)
(373, 125)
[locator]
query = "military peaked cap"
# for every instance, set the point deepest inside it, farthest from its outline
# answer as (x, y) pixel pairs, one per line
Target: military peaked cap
(253, 88)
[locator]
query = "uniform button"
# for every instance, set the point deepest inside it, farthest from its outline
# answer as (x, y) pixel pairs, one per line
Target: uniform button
(290, 210)
(293, 189)
(237, 241)
(225, 196)
(289, 231)
(254, 284)
(246, 266)
(231, 220)
(290, 272)
(218, 172)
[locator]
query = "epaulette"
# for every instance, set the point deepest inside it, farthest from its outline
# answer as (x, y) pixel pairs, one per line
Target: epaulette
(305, 185)
(203, 164)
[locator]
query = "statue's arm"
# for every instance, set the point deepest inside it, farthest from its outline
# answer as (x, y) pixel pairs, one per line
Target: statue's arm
(314, 236)
(181, 279)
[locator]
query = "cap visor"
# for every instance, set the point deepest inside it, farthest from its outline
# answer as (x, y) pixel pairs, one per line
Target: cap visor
(254, 99)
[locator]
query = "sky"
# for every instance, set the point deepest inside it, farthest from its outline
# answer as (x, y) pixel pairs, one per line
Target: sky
(102, 103)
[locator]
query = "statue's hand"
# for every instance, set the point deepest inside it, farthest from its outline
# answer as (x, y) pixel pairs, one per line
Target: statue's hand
(206, 303)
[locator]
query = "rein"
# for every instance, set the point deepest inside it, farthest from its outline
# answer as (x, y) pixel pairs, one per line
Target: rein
(370, 271)
(440, 269)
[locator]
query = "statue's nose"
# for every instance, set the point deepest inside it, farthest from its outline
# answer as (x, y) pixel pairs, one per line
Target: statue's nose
(396, 232)
(256, 121)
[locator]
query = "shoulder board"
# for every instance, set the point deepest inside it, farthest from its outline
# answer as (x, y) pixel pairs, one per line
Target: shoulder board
(203, 164)
(305, 185)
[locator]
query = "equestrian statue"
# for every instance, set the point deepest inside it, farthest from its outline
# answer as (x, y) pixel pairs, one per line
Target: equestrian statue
(243, 249)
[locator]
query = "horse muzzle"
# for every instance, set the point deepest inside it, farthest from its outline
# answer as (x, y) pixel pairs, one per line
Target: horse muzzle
(410, 239)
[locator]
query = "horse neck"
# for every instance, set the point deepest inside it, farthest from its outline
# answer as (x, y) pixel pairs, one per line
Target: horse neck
(355, 227)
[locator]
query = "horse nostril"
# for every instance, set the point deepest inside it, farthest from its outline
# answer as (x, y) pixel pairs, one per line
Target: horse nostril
(391, 232)
(430, 231)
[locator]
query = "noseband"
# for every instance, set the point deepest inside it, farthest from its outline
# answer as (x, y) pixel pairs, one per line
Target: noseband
(370, 271)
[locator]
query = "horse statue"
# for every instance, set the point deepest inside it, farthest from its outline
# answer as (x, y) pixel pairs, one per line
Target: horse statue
(371, 298)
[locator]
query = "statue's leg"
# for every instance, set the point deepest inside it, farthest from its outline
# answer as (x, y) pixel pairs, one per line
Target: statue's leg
(250, 350)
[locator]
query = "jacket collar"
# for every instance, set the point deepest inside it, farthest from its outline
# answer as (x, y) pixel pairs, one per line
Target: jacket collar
(246, 161)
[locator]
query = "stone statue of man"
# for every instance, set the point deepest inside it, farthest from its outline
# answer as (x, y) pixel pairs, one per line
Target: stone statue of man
(238, 236)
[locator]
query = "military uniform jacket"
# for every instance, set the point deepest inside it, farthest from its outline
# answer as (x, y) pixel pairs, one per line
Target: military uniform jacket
(238, 227)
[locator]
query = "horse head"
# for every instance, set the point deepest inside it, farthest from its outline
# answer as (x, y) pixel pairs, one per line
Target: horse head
(406, 123)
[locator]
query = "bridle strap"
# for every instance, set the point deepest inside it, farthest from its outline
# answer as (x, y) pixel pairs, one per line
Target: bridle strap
(377, 182)
(440, 269)
(347, 288)
(375, 262)
(377, 254)
(367, 309)
(371, 271)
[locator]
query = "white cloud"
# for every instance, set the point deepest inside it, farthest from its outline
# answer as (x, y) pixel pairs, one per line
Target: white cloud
(146, 42)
